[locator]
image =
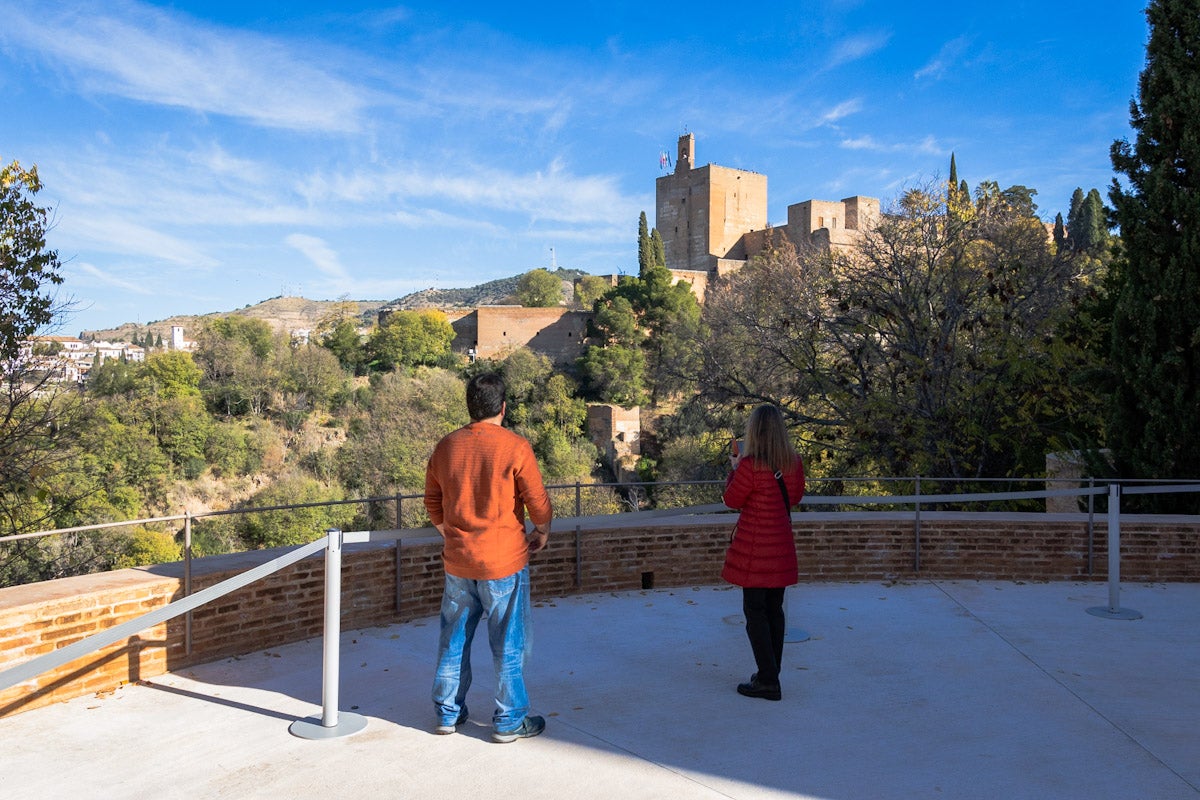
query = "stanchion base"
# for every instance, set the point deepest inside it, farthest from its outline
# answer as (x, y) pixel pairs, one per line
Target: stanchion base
(792, 635)
(1106, 612)
(311, 728)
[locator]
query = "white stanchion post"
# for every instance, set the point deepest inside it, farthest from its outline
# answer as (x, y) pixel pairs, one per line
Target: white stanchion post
(791, 634)
(331, 725)
(332, 634)
(1114, 610)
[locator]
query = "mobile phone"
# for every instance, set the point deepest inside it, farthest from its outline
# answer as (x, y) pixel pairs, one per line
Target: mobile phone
(736, 446)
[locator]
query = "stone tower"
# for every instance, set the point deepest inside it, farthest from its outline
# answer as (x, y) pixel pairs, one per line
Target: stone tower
(702, 213)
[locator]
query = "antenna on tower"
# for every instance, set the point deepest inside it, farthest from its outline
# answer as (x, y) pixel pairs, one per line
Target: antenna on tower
(553, 261)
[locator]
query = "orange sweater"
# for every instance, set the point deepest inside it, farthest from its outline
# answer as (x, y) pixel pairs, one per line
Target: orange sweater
(478, 484)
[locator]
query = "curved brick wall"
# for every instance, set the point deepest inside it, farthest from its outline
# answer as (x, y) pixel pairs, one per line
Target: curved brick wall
(606, 554)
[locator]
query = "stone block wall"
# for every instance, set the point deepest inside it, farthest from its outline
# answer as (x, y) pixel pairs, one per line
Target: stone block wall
(385, 583)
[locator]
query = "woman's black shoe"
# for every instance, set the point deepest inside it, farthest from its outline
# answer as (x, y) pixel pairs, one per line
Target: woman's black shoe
(756, 689)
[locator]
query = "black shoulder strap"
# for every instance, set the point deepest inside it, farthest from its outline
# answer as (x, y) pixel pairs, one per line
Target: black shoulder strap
(787, 503)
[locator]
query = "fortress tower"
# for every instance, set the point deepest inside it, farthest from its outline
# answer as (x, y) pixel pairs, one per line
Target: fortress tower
(713, 219)
(703, 213)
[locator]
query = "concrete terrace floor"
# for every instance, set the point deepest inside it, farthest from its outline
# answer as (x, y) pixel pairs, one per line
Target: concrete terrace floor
(925, 689)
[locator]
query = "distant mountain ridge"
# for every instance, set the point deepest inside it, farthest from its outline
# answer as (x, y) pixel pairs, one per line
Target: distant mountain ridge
(298, 313)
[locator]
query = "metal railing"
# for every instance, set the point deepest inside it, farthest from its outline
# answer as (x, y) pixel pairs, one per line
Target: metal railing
(331, 724)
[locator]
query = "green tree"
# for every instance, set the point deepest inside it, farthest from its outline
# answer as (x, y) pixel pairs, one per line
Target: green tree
(345, 342)
(1087, 223)
(651, 252)
(409, 339)
(932, 348)
(236, 356)
(658, 252)
(613, 364)
(539, 288)
(28, 269)
(645, 254)
(543, 407)
(297, 525)
(394, 426)
(310, 378)
(169, 374)
(38, 413)
(589, 289)
(1060, 234)
(1154, 430)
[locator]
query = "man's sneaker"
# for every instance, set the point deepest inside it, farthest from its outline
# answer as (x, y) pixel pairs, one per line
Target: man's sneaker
(451, 727)
(530, 726)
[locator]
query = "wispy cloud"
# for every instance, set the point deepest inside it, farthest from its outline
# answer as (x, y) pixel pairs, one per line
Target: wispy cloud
(144, 54)
(116, 234)
(926, 146)
(950, 53)
(855, 47)
(841, 110)
(108, 279)
(319, 253)
(550, 194)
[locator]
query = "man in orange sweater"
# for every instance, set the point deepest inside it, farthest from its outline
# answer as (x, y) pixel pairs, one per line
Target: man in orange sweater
(478, 484)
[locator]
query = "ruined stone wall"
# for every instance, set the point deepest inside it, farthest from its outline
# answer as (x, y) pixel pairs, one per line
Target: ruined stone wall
(554, 332)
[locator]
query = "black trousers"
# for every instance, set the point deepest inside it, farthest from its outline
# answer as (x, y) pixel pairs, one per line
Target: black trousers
(763, 609)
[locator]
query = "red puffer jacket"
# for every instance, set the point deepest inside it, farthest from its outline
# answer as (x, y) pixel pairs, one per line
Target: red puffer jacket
(762, 554)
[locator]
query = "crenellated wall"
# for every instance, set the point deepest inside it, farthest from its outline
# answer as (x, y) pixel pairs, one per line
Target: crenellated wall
(606, 554)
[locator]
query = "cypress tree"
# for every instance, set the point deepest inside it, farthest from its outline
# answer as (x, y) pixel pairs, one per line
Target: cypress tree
(658, 251)
(645, 255)
(1075, 218)
(1060, 234)
(1154, 427)
(1094, 224)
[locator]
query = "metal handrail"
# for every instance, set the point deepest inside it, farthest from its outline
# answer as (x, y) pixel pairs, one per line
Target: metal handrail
(578, 486)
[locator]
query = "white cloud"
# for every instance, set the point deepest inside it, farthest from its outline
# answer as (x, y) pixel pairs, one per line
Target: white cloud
(855, 47)
(156, 57)
(319, 253)
(550, 194)
(937, 66)
(109, 279)
(841, 110)
(116, 234)
(928, 145)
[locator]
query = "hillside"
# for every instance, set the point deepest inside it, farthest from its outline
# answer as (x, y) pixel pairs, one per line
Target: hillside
(298, 313)
(497, 292)
(281, 313)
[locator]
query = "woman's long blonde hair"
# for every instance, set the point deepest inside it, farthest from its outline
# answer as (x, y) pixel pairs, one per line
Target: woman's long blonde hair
(767, 440)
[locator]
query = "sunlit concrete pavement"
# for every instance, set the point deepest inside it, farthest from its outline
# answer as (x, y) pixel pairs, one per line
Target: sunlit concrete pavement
(956, 689)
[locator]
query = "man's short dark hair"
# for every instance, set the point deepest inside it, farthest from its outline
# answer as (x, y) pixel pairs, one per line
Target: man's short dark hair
(485, 396)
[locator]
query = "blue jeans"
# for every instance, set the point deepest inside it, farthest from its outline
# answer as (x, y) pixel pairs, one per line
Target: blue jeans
(506, 603)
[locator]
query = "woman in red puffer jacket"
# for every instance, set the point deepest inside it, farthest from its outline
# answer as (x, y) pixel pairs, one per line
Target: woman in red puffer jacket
(767, 480)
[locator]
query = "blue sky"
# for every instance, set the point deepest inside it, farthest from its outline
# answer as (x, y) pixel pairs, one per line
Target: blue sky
(205, 156)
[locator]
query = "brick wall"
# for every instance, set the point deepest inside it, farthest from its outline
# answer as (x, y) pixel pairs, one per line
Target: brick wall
(614, 555)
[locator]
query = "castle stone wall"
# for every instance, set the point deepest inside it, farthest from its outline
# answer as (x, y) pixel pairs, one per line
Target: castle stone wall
(496, 331)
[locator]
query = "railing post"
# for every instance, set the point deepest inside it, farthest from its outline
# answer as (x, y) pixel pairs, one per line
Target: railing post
(917, 529)
(1091, 528)
(578, 499)
(1114, 610)
(187, 579)
(578, 557)
(330, 726)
